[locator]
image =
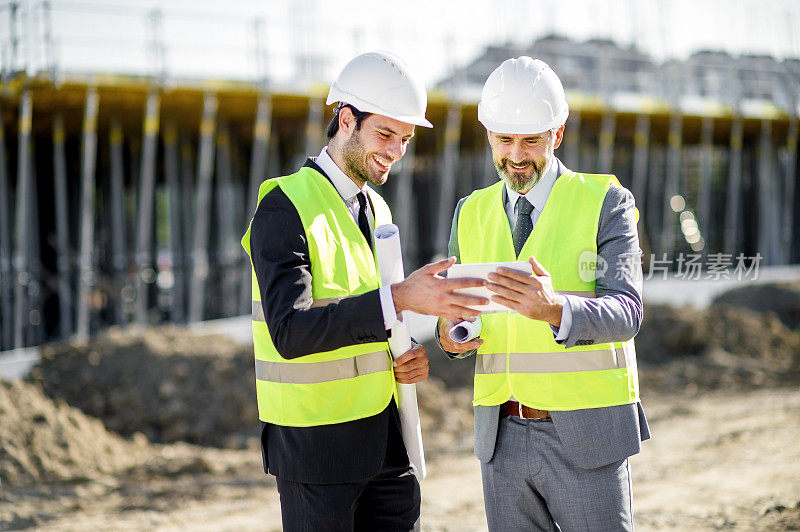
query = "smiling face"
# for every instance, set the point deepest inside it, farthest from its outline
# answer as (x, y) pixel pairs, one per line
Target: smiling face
(521, 159)
(367, 153)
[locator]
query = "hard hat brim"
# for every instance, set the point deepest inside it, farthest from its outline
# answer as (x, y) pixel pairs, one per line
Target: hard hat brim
(337, 95)
(519, 129)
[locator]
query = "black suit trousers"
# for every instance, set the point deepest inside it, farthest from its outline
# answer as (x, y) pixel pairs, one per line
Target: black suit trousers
(390, 501)
(387, 501)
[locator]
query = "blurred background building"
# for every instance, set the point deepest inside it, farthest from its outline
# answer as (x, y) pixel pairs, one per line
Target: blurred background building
(133, 139)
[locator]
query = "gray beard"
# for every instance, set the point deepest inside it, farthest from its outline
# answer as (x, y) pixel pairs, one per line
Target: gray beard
(516, 185)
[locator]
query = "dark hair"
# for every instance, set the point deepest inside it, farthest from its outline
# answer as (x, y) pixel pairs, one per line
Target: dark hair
(333, 126)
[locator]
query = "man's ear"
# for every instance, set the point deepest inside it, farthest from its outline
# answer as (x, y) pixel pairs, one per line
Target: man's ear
(559, 136)
(347, 121)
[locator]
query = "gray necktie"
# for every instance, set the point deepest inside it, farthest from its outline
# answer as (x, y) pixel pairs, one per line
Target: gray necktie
(524, 224)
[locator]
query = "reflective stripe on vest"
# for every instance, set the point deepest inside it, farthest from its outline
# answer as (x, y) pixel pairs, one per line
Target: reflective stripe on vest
(311, 372)
(258, 312)
(566, 362)
(331, 370)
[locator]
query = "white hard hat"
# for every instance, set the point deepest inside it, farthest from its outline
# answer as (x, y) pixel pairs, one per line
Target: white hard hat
(522, 95)
(381, 83)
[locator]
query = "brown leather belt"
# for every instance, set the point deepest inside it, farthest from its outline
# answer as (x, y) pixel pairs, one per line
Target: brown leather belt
(513, 408)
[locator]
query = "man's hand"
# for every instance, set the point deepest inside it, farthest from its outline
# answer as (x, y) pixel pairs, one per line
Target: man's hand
(448, 344)
(411, 366)
(530, 295)
(426, 293)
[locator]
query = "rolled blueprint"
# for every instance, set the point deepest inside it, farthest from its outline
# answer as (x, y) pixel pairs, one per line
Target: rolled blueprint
(466, 330)
(390, 262)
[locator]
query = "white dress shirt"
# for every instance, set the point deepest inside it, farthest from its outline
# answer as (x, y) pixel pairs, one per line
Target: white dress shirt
(537, 196)
(348, 190)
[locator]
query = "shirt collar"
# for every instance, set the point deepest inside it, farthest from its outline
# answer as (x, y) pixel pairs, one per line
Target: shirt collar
(539, 193)
(345, 186)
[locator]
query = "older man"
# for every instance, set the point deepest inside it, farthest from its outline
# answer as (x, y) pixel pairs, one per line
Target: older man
(557, 411)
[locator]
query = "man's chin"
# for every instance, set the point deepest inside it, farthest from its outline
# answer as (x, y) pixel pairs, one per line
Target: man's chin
(379, 179)
(520, 184)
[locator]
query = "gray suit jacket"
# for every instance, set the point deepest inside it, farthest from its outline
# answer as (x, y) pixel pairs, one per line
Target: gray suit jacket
(597, 436)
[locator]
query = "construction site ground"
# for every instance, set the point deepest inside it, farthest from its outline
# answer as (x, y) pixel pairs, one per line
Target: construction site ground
(155, 429)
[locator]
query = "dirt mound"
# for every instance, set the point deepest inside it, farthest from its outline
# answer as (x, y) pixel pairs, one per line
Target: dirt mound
(780, 517)
(165, 382)
(723, 346)
(671, 332)
(782, 299)
(174, 385)
(42, 440)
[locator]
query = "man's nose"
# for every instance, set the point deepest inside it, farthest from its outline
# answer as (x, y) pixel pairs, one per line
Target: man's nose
(395, 149)
(517, 153)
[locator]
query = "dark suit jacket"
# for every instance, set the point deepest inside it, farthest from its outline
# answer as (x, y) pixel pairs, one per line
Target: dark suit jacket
(342, 452)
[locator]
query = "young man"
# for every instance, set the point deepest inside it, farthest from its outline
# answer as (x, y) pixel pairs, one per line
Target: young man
(324, 377)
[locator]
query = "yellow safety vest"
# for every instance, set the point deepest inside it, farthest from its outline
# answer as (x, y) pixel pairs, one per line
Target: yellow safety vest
(348, 383)
(519, 356)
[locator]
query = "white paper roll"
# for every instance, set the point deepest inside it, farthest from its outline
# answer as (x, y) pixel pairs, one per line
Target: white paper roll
(390, 262)
(466, 330)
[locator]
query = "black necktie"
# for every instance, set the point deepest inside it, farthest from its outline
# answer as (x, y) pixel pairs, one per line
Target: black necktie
(524, 223)
(363, 223)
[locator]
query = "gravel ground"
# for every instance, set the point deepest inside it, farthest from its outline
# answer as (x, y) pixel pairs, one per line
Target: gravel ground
(157, 429)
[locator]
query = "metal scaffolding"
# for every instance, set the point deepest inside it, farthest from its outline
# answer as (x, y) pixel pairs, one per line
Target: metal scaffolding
(152, 189)
(87, 278)
(154, 182)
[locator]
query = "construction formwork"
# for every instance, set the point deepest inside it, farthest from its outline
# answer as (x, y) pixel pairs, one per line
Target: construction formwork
(123, 202)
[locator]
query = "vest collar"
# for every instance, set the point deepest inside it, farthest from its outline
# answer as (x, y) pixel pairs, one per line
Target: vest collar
(345, 192)
(311, 162)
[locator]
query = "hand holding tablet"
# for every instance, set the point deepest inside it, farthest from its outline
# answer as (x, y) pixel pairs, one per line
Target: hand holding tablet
(482, 271)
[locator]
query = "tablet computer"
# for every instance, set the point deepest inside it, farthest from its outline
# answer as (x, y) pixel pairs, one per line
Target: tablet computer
(482, 270)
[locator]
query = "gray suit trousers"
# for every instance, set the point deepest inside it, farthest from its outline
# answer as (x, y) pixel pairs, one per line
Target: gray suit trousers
(530, 485)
